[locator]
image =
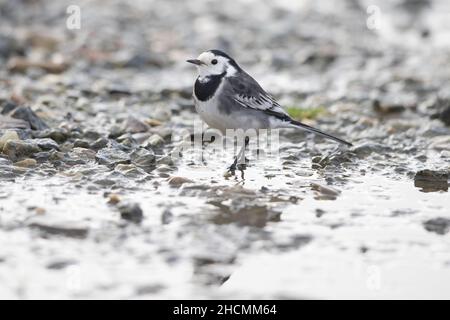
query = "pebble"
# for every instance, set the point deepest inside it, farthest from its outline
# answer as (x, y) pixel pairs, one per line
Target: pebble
(46, 144)
(129, 170)
(8, 135)
(58, 135)
(26, 163)
(134, 125)
(166, 216)
(440, 143)
(113, 198)
(176, 181)
(154, 141)
(100, 143)
(438, 225)
(28, 115)
(56, 226)
(131, 212)
(431, 180)
(143, 157)
(19, 149)
(112, 157)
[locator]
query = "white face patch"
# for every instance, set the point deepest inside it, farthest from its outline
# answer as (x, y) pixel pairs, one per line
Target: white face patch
(213, 65)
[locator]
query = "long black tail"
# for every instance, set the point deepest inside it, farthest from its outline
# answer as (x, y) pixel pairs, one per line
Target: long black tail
(303, 126)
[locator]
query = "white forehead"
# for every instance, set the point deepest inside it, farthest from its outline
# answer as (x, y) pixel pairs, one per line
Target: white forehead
(207, 56)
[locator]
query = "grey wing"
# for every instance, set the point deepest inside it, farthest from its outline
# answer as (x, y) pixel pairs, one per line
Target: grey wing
(247, 93)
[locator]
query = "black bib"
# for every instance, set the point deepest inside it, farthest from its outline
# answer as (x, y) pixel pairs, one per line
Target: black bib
(206, 89)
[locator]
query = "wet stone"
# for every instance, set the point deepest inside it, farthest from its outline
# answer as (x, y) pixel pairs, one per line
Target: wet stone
(366, 149)
(431, 180)
(154, 141)
(26, 163)
(325, 192)
(81, 144)
(19, 149)
(28, 115)
(387, 108)
(54, 226)
(46, 144)
(100, 143)
(115, 131)
(134, 125)
(437, 225)
(112, 157)
(131, 212)
(91, 135)
(7, 122)
(8, 135)
(246, 213)
(58, 135)
(129, 170)
(176, 181)
(60, 264)
(143, 157)
(166, 216)
(82, 154)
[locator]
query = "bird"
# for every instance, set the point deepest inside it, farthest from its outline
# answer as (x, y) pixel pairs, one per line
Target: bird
(227, 97)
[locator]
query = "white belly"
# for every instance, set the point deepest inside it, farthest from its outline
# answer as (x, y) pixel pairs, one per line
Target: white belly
(247, 119)
(209, 112)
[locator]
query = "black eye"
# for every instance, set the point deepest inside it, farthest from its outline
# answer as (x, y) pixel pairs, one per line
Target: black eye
(214, 61)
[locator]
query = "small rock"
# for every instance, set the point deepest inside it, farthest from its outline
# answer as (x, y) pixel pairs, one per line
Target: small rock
(134, 125)
(6, 122)
(366, 149)
(143, 157)
(154, 141)
(437, 225)
(82, 154)
(175, 181)
(46, 144)
(326, 192)
(8, 135)
(26, 163)
(19, 64)
(430, 180)
(131, 212)
(440, 143)
(387, 108)
(19, 149)
(55, 226)
(166, 216)
(26, 114)
(58, 135)
(444, 116)
(112, 157)
(79, 143)
(98, 144)
(9, 46)
(115, 131)
(153, 122)
(60, 264)
(244, 212)
(129, 170)
(113, 198)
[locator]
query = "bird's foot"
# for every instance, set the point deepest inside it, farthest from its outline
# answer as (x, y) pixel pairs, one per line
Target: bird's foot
(231, 170)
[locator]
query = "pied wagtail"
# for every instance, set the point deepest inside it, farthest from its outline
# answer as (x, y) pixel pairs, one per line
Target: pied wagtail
(227, 97)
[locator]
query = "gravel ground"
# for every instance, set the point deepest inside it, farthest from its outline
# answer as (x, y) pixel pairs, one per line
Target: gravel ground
(93, 203)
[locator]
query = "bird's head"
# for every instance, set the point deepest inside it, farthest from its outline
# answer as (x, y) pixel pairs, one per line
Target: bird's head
(215, 62)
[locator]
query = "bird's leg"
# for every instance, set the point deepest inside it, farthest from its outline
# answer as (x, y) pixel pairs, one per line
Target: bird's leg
(242, 165)
(239, 160)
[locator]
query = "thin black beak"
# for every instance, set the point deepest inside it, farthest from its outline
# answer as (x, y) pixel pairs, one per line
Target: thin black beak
(195, 61)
